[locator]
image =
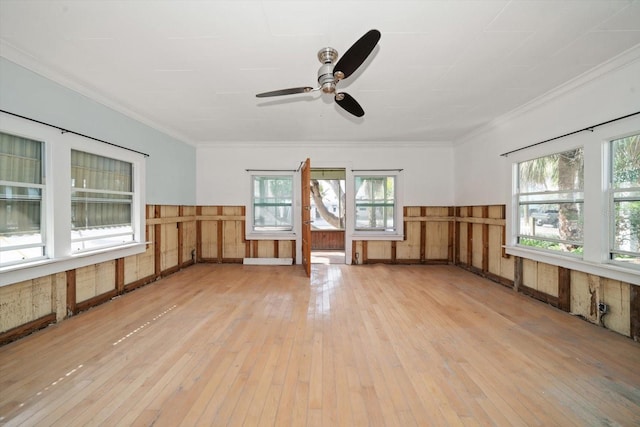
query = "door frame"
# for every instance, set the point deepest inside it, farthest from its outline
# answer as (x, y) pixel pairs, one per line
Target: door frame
(349, 212)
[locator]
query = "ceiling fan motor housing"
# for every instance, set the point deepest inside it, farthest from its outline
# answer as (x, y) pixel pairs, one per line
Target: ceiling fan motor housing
(327, 56)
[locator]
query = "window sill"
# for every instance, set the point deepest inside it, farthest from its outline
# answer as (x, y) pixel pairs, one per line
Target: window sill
(40, 268)
(610, 271)
(285, 235)
(376, 235)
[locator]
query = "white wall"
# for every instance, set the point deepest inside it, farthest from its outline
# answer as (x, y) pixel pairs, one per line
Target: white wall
(222, 178)
(170, 169)
(482, 176)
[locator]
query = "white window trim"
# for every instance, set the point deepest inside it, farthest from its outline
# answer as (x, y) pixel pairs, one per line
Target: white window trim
(398, 220)
(250, 233)
(57, 202)
(595, 258)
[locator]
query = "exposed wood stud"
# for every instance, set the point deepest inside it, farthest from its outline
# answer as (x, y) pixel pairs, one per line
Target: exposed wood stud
(71, 292)
(120, 275)
(220, 236)
(423, 235)
(180, 226)
(393, 251)
(518, 271)
(198, 235)
(364, 257)
(634, 302)
(564, 289)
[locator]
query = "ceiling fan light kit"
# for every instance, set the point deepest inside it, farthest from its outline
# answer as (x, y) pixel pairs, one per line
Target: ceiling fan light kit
(331, 72)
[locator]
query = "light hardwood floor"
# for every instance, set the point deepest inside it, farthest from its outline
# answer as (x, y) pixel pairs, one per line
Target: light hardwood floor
(358, 345)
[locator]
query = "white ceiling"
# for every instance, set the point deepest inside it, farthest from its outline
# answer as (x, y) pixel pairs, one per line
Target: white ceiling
(192, 68)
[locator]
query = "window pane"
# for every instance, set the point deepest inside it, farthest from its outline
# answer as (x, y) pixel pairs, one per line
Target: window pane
(20, 159)
(557, 172)
(626, 162)
(625, 194)
(21, 196)
(627, 226)
(375, 202)
(101, 201)
(100, 173)
(550, 202)
(329, 211)
(272, 203)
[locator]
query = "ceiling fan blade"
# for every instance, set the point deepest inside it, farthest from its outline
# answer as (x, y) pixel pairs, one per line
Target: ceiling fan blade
(347, 102)
(290, 91)
(356, 55)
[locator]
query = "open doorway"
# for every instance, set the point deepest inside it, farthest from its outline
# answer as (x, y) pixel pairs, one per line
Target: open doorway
(328, 215)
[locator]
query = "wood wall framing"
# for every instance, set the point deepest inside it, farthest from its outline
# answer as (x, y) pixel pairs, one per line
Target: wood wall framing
(470, 237)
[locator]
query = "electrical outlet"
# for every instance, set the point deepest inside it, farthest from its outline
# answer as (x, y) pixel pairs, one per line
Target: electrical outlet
(603, 308)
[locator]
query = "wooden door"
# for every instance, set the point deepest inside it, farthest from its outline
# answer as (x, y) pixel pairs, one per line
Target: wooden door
(305, 174)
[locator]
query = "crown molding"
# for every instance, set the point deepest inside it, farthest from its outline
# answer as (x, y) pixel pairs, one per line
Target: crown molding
(620, 61)
(31, 63)
(327, 144)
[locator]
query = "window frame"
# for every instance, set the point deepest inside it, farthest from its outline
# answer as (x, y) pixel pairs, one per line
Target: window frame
(398, 210)
(75, 241)
(612, 190)
(57, 202)
(42, 186)
(272, 233)
(552, 197)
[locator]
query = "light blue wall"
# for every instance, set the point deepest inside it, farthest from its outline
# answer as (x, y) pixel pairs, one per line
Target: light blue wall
(171, 165)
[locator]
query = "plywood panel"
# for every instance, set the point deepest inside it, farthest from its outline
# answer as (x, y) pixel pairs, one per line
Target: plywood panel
(495, 249)
(169, 211)
(462, 242)
(265, 249)
(496, 211)
(59, 301)
(582, 296)
(285, 249)
(437, 211)
(437, 240)
(188, 240)
(507, 268)
(26, 301)
(477, 211)
(477, 245)
(529, 273)
(94, 280)
(169, 246)
(410, 248)
(209, 236)
(616, 295)
(547, 279)
(379, 250)
(139, 266)
(232, 242)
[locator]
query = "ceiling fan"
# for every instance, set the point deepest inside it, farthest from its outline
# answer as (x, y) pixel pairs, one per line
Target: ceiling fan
(329, 74)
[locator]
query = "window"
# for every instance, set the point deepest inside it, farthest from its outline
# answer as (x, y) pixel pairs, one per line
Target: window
(272, 203)
(101, 201)
(550, 198)
(625, 200)
(21, 199)
(375, 203)
(66, 201)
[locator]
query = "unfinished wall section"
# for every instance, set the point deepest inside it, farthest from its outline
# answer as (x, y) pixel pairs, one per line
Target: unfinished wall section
(472, 237)
(34, 304)
(220, 236)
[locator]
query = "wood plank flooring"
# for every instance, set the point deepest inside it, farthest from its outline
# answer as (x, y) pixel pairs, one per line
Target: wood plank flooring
(358, 345)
